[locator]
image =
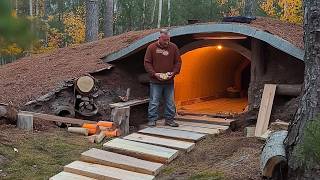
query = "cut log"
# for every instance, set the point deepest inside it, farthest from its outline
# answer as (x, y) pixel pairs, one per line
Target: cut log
(98, 171)
(265, 109)
(85, 84)
(107, 158)
(25, 121)
(273, 153)
(289, 89)
(78, 130)
(92, 138)
(279, 125)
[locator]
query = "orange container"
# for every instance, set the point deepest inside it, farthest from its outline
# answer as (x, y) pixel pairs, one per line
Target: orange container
(105, 124)
(91, 131)
(90, 126)
(113, 133)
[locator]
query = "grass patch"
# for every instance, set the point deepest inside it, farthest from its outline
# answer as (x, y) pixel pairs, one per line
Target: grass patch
(207, 176)
(42, 155)
(168, 170)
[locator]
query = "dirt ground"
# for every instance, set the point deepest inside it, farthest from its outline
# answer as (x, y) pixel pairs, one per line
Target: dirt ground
(226, 156)
(43, 153)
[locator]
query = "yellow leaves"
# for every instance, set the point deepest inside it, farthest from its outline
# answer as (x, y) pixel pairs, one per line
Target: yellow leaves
(75, 26)
(11, 50)
(286, 10)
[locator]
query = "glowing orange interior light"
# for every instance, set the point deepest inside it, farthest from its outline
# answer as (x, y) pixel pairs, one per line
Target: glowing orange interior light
(219, 47)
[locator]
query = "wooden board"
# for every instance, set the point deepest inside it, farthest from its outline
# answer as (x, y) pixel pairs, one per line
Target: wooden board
(98, 171)
(265, 109)
(172, 133)
(196, 124)
(129, 103)
(47, 117)
(193, 129)
(120, 116)
(205, 119)
(170, 143)
(141, 150)
(98, 156)
(69, 176)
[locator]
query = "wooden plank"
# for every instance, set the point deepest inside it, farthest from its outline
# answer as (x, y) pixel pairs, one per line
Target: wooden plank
(265, 109)
(25, 121)
(98, 156)
(141, 150)
(129, 103)
(205, 119)
(47, 117)
(197, 124)
(193, 129)
(175, 134)
(69, 176)
(170, 143)
(98, 171)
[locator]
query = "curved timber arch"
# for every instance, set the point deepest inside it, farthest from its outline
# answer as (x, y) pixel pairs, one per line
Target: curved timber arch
(246, 30)
(205, 43)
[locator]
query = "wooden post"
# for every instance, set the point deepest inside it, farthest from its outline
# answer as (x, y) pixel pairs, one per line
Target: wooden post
(257, 60)
(25, 121)
(120, 116)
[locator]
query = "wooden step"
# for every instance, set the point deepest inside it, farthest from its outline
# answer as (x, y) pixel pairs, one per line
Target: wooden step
(141, 150)
(170, 143)
(174, 134)
(205, 119)
(98, 171)
(193, 129)
(69, 176)
(98, 156)
(204, 125)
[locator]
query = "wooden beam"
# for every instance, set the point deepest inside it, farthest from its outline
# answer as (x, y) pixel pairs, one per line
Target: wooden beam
(205, 119)
(202, 130)
(289, 89)
(98, 156)
(141, 150)
(265, 109)
(47, 117)
(129, 103)
(98, 171)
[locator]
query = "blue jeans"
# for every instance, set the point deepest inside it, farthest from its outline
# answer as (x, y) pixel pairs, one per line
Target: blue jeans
(156, 92)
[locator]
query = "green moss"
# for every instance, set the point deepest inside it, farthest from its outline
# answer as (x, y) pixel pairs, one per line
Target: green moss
(42, 155)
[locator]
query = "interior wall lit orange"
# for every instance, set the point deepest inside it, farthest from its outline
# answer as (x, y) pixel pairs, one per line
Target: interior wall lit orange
(206, 72)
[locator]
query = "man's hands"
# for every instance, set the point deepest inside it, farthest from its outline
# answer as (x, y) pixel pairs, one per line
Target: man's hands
(164, 76)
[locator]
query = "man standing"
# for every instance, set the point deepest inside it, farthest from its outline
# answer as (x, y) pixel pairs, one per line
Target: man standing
(162, 61)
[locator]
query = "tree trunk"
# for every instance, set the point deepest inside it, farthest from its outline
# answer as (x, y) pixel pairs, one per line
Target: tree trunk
(159, 14)
(108, 19)
(169, 13)
(248, 8)
(309, 106)
(143, 15)
(92, 20)
(30, 8)
(153, 11)
(37, 7)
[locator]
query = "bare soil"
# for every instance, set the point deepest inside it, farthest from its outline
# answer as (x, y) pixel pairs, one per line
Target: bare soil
(227, 156)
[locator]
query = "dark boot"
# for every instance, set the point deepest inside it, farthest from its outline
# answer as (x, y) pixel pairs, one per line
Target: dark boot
(171, 123)
(152, 123)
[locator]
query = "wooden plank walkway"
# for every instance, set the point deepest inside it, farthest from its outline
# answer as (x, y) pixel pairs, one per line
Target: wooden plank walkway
(138, 156)
(98, 171)
(169, 143)
(107, 158)
(175, 134)
(205, 119)
(141, 150)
